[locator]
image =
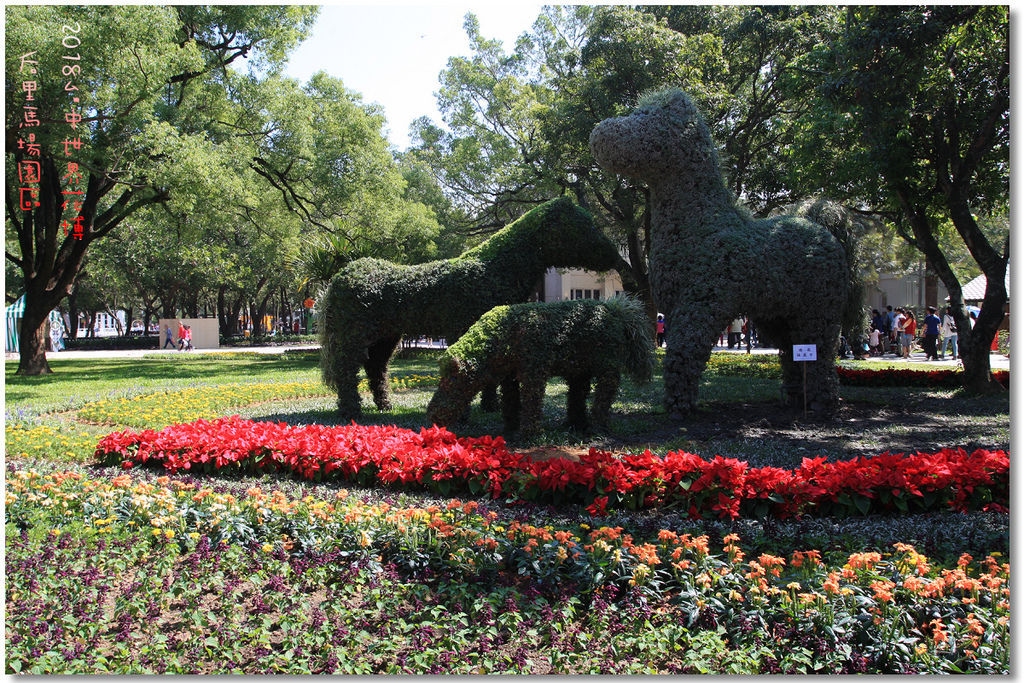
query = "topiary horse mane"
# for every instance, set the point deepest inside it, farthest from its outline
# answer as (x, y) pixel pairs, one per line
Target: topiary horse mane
(709, 263)
(371, 304)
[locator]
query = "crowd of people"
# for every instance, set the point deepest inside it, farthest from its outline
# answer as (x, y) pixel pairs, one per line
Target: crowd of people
(896, 331)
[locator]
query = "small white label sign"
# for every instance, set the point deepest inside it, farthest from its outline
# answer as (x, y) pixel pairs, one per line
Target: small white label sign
(805, 352)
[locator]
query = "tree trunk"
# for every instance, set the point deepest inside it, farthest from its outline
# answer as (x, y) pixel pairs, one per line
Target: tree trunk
(261, 318)
(975, 344)
(72, 316)
(222, 314)
(233, 313)
(32, 338)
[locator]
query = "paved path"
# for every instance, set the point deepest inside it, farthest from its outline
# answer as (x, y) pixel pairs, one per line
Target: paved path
(998, 361)
(139, 353)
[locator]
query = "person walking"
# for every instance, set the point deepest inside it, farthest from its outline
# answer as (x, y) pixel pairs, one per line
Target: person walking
(949, 334)
(170, 337)
(181, 335)
(931, 334)
(878, 325)
(909, 327)
(661, 330)
(735, 332)
(897, 331)
(891, 331)
(188, 338)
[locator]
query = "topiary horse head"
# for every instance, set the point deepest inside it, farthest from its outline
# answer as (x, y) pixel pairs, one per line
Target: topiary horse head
(523, 345)
(709, 263)
(371, 303)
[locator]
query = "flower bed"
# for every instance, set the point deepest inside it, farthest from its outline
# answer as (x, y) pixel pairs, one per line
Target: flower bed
(207, 403)
(899, 377)
(437, 459)
(121, 553)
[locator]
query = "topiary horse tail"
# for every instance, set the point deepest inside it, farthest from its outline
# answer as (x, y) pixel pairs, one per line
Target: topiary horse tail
(638, 362)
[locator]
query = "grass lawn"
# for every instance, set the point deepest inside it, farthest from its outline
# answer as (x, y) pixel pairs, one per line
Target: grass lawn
(265, 573)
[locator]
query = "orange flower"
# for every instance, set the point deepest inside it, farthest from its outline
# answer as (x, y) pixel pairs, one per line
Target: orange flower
(883, 590)
(831, 584)
(938, 631)
(773, 563)
(964, 560)
(731, 538)
(668, 535)
(647, 553)
(863, 560)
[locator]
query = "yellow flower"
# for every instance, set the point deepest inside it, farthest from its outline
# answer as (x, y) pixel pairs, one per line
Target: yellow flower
(267, 548)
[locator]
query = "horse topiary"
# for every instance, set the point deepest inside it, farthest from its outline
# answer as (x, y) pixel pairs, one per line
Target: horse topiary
(522, 345)
(710, 263)
(371, 304)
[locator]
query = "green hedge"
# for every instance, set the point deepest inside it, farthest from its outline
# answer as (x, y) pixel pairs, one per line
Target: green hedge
(113, 343)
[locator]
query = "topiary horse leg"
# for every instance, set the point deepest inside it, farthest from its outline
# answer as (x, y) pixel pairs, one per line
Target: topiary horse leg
(605, 389)
(489, 402)
(377, 360)
(345, 376)
(531, 396)
(576, 402)
(689, 347)
(511, 405)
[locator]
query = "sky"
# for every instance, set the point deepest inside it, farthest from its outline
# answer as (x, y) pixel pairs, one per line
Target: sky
(392, 54)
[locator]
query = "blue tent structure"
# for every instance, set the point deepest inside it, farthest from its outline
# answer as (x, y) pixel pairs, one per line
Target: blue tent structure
(14, 314)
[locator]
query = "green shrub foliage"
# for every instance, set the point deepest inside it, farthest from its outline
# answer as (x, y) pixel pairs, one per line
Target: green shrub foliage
(523, 345)
(710, 263)
(371, 303)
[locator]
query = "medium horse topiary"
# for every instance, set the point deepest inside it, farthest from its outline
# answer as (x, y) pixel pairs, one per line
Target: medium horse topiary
(371, 303)
(709, 263)
(523, 345)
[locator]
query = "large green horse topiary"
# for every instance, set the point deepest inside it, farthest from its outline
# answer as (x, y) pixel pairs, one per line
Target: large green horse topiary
(371, 303)
(521, 346)
(709, 263)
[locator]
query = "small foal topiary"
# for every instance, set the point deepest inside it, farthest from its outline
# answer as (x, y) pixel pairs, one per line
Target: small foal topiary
(371, 303)
(709, 263)
(523, 345)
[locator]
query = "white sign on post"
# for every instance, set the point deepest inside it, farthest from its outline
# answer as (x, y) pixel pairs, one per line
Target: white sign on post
(803, 352)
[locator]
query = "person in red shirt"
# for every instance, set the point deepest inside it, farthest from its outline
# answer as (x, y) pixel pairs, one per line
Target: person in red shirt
(909, 331)
(181, 335)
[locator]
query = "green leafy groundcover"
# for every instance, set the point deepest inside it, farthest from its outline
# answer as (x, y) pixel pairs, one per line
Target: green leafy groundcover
(142, 574)
(437, 459)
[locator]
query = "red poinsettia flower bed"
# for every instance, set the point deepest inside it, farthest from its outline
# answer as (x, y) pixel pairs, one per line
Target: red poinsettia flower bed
(898, 377)
(438, 460)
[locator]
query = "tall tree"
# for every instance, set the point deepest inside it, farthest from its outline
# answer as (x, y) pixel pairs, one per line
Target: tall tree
(125, 122)
(914, 106)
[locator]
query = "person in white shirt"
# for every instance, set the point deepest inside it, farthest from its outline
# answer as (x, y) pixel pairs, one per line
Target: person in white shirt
(949, 333)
